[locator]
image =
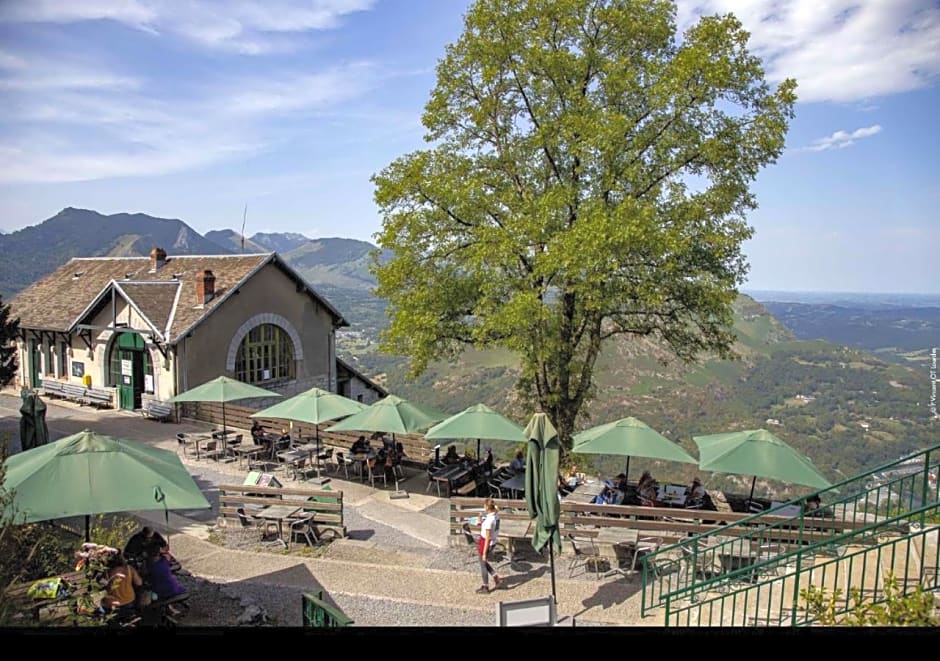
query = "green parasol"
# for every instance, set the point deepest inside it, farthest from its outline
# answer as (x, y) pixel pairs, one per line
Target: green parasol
(223, 389)
(90, 473)
(541, 485)
(759, 453)
(629, 437)
(478, 421)
(315, 406)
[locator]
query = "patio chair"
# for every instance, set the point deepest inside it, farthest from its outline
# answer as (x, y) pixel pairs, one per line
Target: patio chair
(376, 473)
(342, 462)
(303, 528)
(253, 525)
(585, 554)
(646, 546)
(181, 443)
(298, 467)
(212, 450)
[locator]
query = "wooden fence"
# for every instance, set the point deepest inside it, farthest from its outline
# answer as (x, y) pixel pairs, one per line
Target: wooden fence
(670, 523)
(325, 505)
(417, 450)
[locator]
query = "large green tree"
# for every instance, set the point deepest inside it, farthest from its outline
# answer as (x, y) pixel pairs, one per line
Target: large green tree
(9, 329)
(588, 175)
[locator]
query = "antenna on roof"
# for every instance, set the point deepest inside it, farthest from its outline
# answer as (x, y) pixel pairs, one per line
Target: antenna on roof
(244, 218)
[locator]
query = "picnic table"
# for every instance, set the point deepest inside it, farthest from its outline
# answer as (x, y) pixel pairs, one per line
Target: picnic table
(249, 451)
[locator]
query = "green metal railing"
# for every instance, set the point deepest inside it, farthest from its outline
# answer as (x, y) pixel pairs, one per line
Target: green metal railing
(318, 613)
(849, 508)
(768, 591)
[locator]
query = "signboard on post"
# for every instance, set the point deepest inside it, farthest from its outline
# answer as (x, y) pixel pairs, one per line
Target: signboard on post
(538, 612)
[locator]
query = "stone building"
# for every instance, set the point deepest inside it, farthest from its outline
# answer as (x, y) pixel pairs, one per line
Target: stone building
(149, 328)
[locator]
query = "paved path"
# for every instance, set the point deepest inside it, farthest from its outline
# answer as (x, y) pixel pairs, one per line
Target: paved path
(388, 562)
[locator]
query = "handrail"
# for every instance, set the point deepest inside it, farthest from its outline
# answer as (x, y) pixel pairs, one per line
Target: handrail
(804, 527)
(766, 601)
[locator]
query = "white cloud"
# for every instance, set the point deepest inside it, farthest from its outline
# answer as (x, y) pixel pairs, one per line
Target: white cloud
(244, 26)
(839, 50)
(88, 124)
(842, 139)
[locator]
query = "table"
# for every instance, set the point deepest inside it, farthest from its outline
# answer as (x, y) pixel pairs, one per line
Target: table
(625, 537)
(734, 554)
(592, 487)
(672, 495)
(278, 513)
(515, 483)
(249, 451)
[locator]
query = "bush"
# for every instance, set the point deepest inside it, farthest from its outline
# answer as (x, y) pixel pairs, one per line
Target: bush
(897, 609)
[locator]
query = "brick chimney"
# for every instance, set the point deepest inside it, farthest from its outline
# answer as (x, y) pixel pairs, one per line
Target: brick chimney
(205, 287)
(157, 258)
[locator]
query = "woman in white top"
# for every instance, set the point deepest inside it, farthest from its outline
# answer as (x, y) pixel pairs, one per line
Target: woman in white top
(697, 492)
(489, 532)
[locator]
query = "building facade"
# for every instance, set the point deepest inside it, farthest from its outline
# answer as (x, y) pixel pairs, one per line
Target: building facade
(150, 328)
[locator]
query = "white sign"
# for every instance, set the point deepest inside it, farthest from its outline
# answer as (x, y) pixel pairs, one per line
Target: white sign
(148, 382)
(127, 368)
(266, 375)
(526, 613)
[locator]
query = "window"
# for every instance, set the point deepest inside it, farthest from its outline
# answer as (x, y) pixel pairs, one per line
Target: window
(266, 354)
(63, 359)
(47, 358)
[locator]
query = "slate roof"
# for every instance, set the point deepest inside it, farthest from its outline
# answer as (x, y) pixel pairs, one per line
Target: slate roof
(59, 300)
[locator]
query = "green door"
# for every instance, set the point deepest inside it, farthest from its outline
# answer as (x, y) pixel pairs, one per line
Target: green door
(35, 379)
(127, 370)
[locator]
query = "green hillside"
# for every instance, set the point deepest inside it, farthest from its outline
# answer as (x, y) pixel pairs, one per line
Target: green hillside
(846, 387)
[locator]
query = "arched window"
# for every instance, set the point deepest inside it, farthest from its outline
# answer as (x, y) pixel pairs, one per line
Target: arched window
(265, 354)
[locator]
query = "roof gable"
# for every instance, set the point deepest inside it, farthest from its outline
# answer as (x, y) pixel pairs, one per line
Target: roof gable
(59, 300)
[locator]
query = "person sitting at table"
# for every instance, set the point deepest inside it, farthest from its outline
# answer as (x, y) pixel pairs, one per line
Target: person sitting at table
(647, 487)
(573, 478)
(812, 503)
(135, 551)
(122, 581)
(257, 433)
(162, 581)
(518, 464)
(621, 483)
(451, 457)
(360, 446)
(564, 488)
(696, 493)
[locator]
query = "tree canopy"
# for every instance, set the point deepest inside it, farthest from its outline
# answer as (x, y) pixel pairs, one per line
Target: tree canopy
(9, 328)
(588, 174)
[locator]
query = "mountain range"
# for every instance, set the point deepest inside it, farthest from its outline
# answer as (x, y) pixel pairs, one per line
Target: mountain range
(842, 406)
(328, 263)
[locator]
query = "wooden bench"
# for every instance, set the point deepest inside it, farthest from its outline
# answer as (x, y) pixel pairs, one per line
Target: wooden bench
(73, 392)
(99, 398)
(154, 410)
(53, 388)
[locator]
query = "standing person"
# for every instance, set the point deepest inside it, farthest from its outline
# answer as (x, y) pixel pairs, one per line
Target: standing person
(489, 533)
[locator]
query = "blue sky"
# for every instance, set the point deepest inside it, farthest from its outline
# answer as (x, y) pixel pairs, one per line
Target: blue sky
(193, 108)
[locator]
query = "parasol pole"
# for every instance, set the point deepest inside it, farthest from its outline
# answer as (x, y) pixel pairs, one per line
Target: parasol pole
(626, 471)
(87, 527)
(751, 497)
(551, 559)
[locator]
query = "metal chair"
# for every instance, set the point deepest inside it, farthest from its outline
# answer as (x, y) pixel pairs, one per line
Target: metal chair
(304, 528)
(298, 467)
(646, 546)
(585, 554)
(259, 526)
(376, 473)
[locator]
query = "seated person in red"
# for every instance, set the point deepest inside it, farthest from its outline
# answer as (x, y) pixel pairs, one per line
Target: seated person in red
(162, 580)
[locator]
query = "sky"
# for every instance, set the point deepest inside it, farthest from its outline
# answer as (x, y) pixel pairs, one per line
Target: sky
(193, 109)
